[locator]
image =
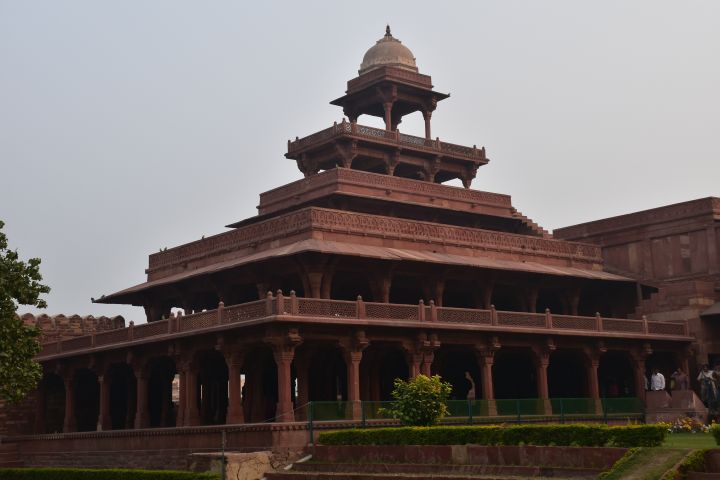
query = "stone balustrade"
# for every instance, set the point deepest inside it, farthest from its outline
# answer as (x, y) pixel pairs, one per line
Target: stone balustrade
(356, 131)
(296, 308)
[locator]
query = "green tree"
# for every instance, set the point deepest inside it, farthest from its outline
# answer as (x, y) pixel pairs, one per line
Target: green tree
(19, 285)
(421, 401)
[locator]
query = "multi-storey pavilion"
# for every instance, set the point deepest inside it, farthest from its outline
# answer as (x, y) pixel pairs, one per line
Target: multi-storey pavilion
(366, 270)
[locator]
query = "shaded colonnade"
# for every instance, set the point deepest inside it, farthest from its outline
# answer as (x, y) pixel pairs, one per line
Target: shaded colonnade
(379, 367)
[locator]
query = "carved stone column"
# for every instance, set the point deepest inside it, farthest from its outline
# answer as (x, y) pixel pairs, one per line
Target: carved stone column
(235, 408)
(641, 380)
(387, 107)
(69, 423)
(542, 361)
(283, 345)
(104, 422)
(192, 413)
(142, 415)
(427, 115)
(353, 356)
(284, 410)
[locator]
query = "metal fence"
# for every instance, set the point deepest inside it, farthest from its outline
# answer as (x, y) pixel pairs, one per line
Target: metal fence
(367, 413)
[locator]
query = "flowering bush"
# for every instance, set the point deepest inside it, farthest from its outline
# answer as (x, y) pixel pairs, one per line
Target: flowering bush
(687, 425)
(420, 401)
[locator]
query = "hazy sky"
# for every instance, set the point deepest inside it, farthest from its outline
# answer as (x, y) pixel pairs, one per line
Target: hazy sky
(128, 126)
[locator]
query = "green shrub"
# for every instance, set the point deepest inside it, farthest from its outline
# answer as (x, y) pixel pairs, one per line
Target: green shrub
(421, 401)
(99, 474)
(565, 435)
(715, 429)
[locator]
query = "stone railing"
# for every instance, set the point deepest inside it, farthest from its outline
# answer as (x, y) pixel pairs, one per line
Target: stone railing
(385, 72)
(405, 185)
(322, 219)
(343, 310)
(355, 130)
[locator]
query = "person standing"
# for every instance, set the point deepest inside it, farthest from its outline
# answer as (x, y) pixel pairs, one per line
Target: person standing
(657, 381)
(707, 385)
(680, 380)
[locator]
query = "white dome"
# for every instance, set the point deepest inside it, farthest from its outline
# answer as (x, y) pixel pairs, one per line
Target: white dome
(388, 51)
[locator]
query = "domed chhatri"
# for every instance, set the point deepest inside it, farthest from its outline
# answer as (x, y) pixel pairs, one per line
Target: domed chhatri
(388, 51)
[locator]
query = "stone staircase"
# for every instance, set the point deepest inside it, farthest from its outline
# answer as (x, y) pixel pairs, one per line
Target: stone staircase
(450, 462)
(9, 457)
(529, 223)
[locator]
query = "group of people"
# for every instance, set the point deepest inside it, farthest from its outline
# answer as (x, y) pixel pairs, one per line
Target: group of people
(709, 381)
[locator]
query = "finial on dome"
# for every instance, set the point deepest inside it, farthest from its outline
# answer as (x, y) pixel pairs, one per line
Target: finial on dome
(387, 30)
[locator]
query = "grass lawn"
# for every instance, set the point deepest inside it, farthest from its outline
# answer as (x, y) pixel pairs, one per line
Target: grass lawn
(690, 440)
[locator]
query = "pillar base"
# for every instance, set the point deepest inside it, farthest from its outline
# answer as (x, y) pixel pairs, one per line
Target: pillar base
(284, 413)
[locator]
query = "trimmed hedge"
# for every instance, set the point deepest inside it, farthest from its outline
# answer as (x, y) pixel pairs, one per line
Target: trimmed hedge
(715, 430)
(99, 474)
(565, 435)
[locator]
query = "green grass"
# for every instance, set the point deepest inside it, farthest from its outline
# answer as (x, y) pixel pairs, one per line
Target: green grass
(646, 464)
(690, 440)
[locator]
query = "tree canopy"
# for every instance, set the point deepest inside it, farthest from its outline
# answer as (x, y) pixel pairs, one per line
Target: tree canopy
(19, 285)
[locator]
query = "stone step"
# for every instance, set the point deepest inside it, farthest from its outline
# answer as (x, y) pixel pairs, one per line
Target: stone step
(448, 469)
(379, 476)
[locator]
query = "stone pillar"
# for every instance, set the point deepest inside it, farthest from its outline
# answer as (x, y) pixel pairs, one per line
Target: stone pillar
(640, 378)
(387, 106)
(352, 360)
(415, 363)
(69, 424)
(142, 416)
(541, 364)
(426, 116)
(488, 392)
(531, 299)
(593, 385)
(192, 414)
(427, 360)
(235, 407)
(283, 360)
(104, 415)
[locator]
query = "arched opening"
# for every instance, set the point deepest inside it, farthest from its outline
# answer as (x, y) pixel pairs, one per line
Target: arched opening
(289, 283)
(123, 391)
(348, 285)
(507, 298)
(54, 403)
(213, 384)
(406, 289)
(514, 374)
(327, 375)
(551, 300)
(380, 366)
(161, 409)
(87, 400)
(616, 375)
(567, 375)
(259, 390)
(452, 363)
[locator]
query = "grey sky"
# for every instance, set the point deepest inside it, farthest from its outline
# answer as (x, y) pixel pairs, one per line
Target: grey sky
(127, 126)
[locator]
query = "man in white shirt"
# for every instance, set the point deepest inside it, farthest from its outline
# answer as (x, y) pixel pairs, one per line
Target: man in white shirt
(657, 381)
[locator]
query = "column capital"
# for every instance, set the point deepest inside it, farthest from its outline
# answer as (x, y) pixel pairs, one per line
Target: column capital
(283, 342)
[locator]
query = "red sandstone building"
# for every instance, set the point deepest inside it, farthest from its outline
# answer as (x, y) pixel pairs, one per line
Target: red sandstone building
(369, 269)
